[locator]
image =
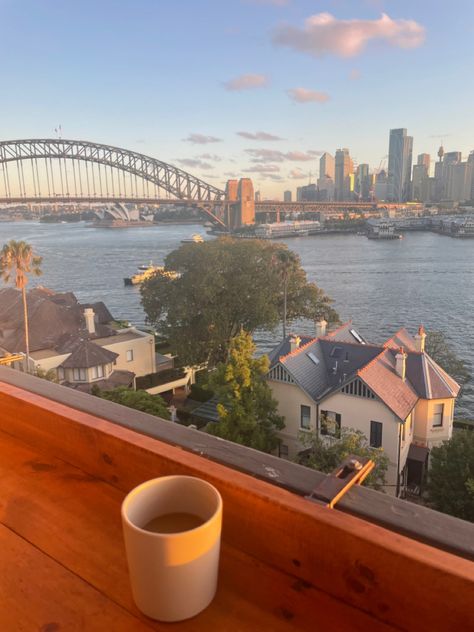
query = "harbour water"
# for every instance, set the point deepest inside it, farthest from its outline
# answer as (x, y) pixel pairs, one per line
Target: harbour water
(382, 285)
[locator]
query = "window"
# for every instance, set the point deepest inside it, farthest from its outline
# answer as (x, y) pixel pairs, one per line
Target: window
(312, 357)
(60, 373)
(330, 423)
(438, 415)
(376, 434)
(130, 355)
(283, 450)
(79, 375)
(97, 371)
(305, 417)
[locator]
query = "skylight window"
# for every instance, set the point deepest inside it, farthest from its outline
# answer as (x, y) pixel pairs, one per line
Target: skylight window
(336, 352)
(357, 336)
(313, 358)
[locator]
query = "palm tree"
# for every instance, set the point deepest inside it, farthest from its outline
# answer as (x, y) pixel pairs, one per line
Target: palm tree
(286, 262)
(18, 259)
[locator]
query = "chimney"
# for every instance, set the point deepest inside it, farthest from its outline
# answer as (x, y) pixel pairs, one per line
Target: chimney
(401, 363)
(294, 342)
(420, 339)
(89, 318)
(321, 327)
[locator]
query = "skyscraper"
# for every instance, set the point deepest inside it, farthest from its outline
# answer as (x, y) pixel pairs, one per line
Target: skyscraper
(343, 169)
(326, 166)
(400, 155)
(421, 172)
(287, 196)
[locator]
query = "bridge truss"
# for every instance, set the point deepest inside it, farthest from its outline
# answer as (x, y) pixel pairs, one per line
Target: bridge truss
(59, 169)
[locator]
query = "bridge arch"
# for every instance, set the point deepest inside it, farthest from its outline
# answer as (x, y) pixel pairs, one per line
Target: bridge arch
(173, 180)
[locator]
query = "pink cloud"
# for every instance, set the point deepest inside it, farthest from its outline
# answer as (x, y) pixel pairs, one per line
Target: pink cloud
(262, 169)
(246, 82)
(201, 139)
(273, 155)
(297, 174)
(303, 95)
(323, 34)
(258, 136)
(195, 163)
(354, 74)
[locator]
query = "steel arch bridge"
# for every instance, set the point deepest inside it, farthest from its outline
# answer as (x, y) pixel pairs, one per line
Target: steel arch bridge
(40, 154)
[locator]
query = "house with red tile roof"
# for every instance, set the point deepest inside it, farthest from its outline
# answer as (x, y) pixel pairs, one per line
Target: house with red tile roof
(394, 393)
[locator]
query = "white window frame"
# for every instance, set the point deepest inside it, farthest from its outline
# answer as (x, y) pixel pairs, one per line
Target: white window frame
(436, 415)
(129, 355)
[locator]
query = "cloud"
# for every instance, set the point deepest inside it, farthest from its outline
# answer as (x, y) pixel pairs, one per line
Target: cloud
(231, 174)
(258, 136)
(273, 155)
(303, 95)
(194, 163)
(262, 169)
(316, 152)
(297, 174)
(201, 139)
(246, 82)
(354, 74)
(213, 157)
(323, 34)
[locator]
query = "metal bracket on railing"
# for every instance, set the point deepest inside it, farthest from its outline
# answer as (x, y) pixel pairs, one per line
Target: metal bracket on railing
(352, 471)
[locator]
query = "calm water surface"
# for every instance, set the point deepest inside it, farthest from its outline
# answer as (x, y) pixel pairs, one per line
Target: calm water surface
(383, 285)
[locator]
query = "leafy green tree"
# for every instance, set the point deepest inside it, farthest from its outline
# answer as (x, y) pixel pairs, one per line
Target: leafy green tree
(442, 352)
(325, 456)
(18, 260)
(225, 285)
(287, 264)
(139, 400)
(450, 486)
(50, 375)
(247, 410)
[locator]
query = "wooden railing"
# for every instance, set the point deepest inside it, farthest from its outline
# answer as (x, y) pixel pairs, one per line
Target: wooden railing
(395, 580)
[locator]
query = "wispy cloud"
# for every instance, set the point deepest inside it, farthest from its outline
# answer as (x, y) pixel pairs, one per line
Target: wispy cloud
(258, 136)
(194, 163)
(316, 152)
(201, 139)
(212, 157)
(297, 174)
(273, 155)
(246, 82)
(262, 169)
(323, 34)
(303, 95)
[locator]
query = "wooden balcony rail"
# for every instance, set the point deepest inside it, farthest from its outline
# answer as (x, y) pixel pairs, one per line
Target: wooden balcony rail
(287, 563)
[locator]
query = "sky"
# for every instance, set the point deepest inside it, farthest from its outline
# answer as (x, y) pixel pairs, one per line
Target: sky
(241, 88)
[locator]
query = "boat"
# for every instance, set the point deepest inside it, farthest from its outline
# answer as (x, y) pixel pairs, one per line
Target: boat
(383, 230)
(147, 271)
(279, 230)
(194, 239)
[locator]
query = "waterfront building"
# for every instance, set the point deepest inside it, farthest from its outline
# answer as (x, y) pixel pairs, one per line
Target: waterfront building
(325, 189)
(394, 393)
(342, 172)
(80, 343)
(287, 196)
(307, 193)
(399, 165)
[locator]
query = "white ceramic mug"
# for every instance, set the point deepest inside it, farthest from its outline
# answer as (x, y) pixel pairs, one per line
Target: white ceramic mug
(173, 575)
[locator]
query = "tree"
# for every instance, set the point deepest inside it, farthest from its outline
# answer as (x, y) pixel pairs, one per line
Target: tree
(50, 375)
(224, 285)
(139, 400)
(17, 258)
(287, 264)
(325, 456)
(450, 486)
(247, 410)
(443, 354)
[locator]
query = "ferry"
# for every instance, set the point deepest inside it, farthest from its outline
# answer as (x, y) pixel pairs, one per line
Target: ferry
(147, 271)
(195, 239)
(383, 230)
(278, 230)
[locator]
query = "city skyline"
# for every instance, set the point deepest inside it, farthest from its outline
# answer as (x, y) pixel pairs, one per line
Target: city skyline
(260, 89)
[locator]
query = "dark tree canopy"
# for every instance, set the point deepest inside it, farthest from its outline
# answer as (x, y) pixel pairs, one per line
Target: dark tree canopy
(247, 410)
(139, 400)
(225, 285)
(451, 476)
(326, 456)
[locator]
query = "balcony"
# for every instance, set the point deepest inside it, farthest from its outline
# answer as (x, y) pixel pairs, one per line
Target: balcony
(67, 460)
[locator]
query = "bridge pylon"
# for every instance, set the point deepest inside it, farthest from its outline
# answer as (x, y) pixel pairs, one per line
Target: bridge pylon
(240, 196)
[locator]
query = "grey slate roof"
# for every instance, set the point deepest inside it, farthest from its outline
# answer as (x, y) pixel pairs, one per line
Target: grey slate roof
(87, 354)
(284, 347)
(310, 376)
